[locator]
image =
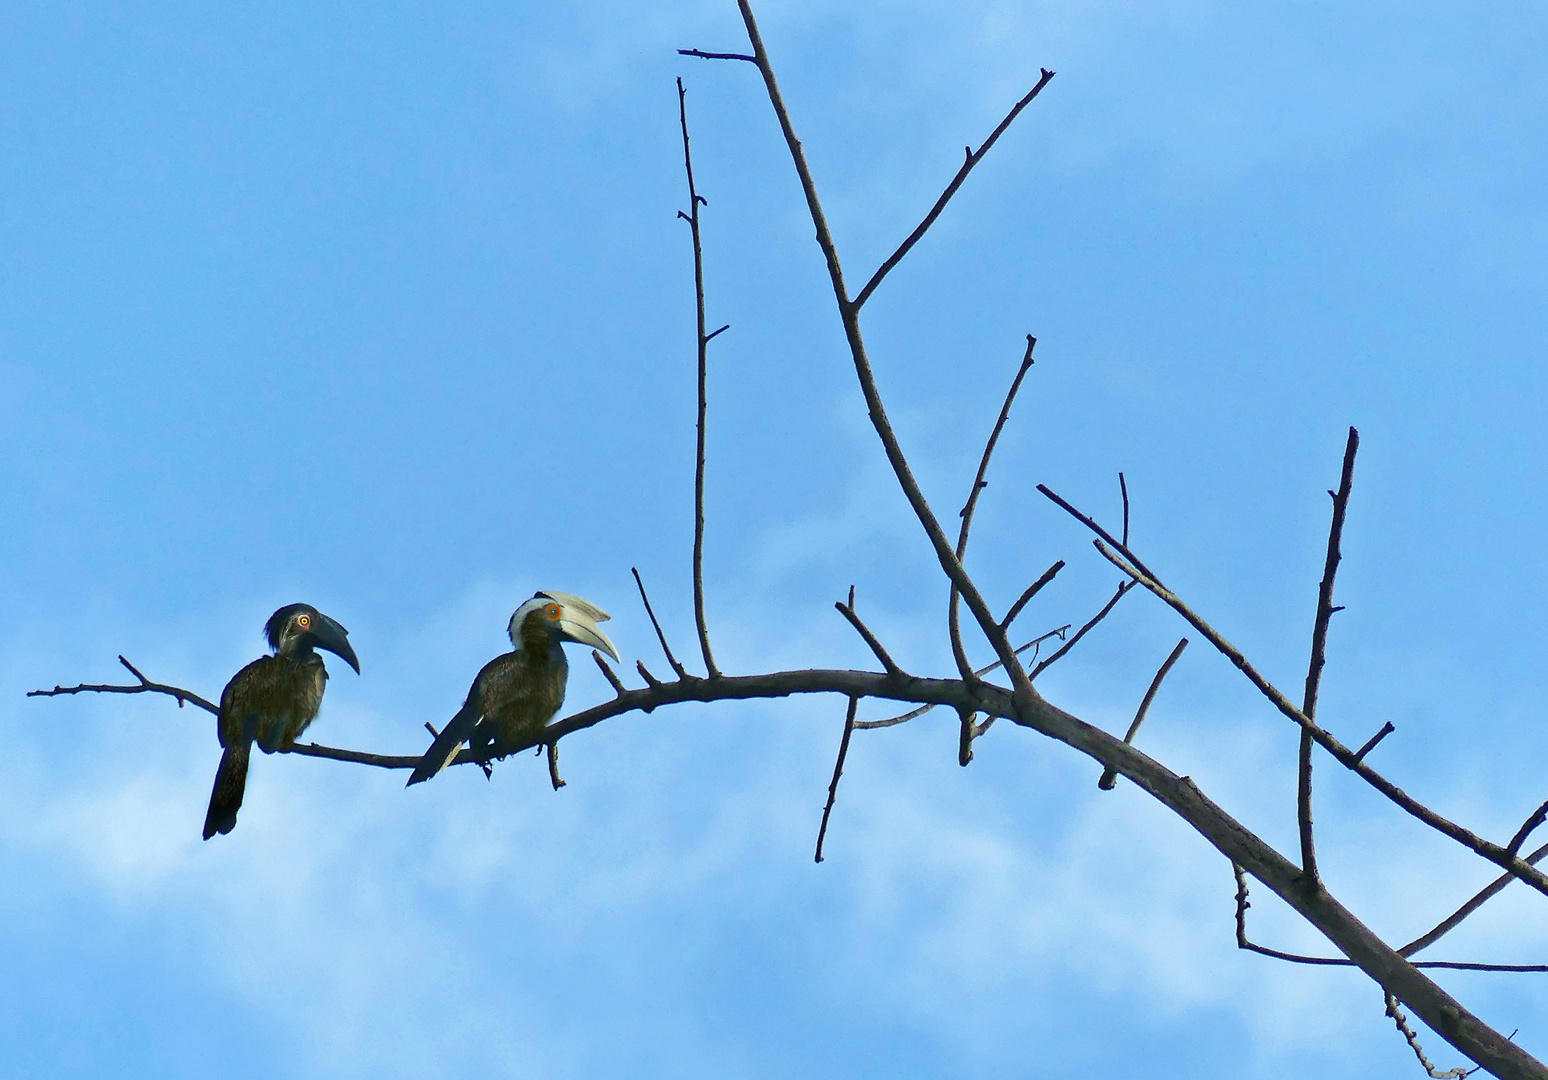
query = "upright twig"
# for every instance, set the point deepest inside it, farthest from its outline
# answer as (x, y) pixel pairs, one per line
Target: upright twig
(1325, 610)
(979, 483)
(1123, 490)
(1109, 777)
(848, 611)
(682, 673)
(838, 771)
(695, 200)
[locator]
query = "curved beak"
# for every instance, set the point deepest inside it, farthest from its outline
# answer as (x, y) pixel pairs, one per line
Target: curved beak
(576, 625)
(328, 634)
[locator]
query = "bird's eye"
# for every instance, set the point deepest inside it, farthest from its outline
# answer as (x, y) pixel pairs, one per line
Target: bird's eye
(552, 612)
(304, 621)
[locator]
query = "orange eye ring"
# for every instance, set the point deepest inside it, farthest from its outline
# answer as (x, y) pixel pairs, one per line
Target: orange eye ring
(304, 621)
(553, 612)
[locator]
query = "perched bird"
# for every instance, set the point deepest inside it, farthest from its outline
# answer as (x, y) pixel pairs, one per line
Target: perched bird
(517, 693)
(272, 700)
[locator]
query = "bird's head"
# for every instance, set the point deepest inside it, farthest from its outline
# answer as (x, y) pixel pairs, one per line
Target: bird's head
(297, 627)
(560, 617)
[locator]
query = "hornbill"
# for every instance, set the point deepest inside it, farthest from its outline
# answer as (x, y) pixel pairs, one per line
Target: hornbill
(518, 692)
(272, 700)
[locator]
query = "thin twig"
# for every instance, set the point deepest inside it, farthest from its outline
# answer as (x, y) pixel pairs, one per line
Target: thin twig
(1242, 942)
(973, 158)
(607, 672)
(1491, 851)
(703, 339)
(1526, 829)
(1032, 590)
(145, 686)
(980, 482)
(639, 665)
(981, 672)
(1413, 1042)
(870, 639)
(1370, 744)
(1059, 654)
(717, 55)
(838, 771)
(682, 673)
(1109, 777)
(1325, 610)
(1455, 919)
(553, 765)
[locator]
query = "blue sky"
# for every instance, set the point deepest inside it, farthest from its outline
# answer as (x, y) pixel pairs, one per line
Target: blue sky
(387, 308)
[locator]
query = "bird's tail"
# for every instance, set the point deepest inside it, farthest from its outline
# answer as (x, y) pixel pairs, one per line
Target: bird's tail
(230, 784)
(452, 736)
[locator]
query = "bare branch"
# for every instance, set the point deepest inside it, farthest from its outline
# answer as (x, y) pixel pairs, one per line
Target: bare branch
(1109, 778)
(1527, 829)
(145, 686)
(1120, 546)
(1325, 610)
(850, 314)
(848, 611)
(1059, 654)
(914, 714)
(973, 158)
(1455, 919)
(660, 635)
(1491, 851)
(838, 771)
(1032, 590)
(703, 339)
(1242, 942)
(1179, 794)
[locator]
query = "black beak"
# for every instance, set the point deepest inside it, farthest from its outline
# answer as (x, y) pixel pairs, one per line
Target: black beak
(328, 634)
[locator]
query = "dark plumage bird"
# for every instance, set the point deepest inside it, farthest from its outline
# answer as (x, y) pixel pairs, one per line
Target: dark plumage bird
(517, 693)
(272, 701)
